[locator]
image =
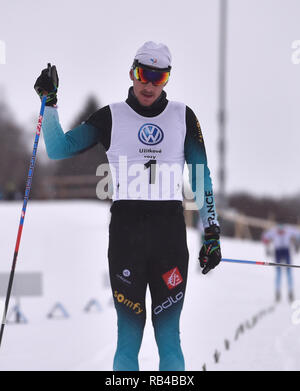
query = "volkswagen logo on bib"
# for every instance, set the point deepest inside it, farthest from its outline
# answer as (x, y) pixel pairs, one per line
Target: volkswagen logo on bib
(150, 134)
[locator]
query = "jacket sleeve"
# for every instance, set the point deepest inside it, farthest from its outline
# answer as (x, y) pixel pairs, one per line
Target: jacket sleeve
(60, 145)
(199, 174)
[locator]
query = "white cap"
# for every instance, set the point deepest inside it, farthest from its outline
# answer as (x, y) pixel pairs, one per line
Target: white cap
(155, 55)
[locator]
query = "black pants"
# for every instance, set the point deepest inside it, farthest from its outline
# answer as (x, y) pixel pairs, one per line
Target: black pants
(147, 245)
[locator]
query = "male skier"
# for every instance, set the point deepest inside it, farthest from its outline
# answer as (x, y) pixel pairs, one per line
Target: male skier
(147, 235)
(282, 237)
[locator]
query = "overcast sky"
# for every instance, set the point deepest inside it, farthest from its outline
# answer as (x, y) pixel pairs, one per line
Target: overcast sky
(93, 43)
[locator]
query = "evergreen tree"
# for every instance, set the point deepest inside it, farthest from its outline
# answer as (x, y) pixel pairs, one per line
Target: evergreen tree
(87, 162)
(76, 176)
(14, 156)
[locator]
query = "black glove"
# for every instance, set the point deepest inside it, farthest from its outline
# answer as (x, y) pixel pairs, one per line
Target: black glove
(47, 83)
(210, 253)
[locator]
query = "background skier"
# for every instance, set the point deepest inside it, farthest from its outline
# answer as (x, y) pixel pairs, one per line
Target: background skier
(282, 237)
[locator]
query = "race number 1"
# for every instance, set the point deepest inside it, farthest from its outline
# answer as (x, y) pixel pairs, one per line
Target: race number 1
(152, 165)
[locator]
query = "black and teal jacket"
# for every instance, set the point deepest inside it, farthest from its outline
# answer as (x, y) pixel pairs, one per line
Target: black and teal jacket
(98, 129)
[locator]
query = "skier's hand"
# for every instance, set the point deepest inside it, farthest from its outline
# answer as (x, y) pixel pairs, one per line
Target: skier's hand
(47, 83)
(210, 253)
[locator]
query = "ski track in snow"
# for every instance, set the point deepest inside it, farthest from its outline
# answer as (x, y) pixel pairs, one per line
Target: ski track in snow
(67, 242)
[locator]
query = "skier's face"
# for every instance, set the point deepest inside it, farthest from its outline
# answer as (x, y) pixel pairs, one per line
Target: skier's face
(147, 93)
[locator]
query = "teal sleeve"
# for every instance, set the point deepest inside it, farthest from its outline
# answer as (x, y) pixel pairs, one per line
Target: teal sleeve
(60, 145)
(199, 174)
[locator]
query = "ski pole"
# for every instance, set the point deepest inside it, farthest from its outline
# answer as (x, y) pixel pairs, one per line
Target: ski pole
(26, 197)
(262, 263)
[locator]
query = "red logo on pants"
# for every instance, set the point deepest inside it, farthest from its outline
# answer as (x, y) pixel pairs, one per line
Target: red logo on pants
(172, 278)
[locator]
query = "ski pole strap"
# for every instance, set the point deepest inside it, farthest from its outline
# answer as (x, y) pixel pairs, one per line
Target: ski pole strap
(262, 263)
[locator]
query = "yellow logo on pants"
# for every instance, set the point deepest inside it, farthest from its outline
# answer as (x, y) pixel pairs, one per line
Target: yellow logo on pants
(136, 307)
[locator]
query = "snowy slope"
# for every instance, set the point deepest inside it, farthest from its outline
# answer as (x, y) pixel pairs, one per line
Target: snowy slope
(67, 242)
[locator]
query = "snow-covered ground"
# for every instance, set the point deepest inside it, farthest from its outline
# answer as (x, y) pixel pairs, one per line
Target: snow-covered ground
(67, 242)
